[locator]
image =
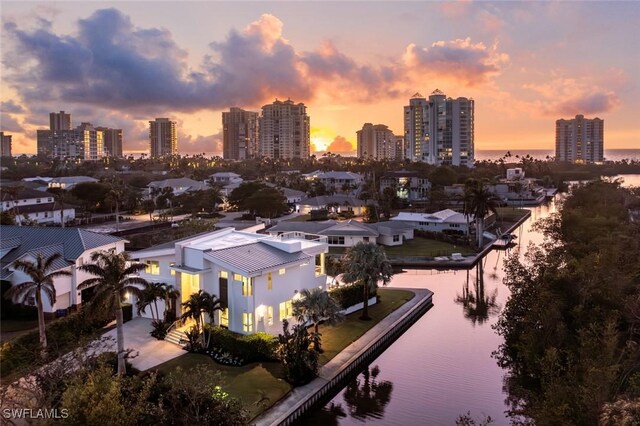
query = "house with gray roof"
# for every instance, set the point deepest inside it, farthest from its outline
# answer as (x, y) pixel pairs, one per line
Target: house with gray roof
(256, 276)
(333, 203)
(75, 246)
(338, 181)
(178, 185)
(30, 204)
(441, 221)
(349, 233)
(68, 182)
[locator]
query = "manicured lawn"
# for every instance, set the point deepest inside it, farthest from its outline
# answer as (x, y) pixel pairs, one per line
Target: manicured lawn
(419, 247)
(301, 218)
(258, 385)
(336, 338)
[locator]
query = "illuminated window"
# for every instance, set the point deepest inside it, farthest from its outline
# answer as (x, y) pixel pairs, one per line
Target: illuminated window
(247, 322)
(320, 270)
(237, 277)
(191, 280)
(247, 286)
(286, 310)
(269, 315)
(224, 274)
(224, 318)
(282, 271)
(269, 281)
(173, 271)
(152, 267)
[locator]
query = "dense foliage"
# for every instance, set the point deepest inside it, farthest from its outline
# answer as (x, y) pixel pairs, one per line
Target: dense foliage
(350, 295)
(570, 326)
(298, 351)
(254, 347)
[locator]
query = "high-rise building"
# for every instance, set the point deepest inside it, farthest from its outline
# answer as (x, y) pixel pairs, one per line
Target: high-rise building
(163, 137)
(84, 142)
(400, 151)
(377, 142)
(240, 134)
(580, 140)
(112, 141)
(284, 130)
(439, 130)
(5, 145)
(59, 121)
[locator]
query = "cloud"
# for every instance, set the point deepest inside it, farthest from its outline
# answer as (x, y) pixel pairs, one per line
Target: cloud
(469, 63)
(340, 145)
(11, 106)
(207, 144)
(9, 123)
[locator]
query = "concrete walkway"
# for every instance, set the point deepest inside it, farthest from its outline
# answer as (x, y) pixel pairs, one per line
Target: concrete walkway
(281, 410)
(147, 350)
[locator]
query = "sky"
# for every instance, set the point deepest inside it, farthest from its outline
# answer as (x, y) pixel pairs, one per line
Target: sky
(120, 64)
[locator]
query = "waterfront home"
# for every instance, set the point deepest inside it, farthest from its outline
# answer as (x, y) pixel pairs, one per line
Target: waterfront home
(447, 221)
(256, 276)
(349, 233)
(333, 204)
(409, 186)
(178, 186)
(39, 206)
(76, 247)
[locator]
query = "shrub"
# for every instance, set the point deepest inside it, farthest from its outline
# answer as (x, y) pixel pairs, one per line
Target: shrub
(350, 295)
(252, 348)
(298, 352)
(160, 329)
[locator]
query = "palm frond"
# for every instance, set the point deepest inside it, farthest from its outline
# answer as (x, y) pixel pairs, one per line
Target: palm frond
(93, 269)
(19, 292)
(90, 282)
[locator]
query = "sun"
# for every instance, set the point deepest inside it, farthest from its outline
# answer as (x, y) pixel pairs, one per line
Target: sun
(321, 139)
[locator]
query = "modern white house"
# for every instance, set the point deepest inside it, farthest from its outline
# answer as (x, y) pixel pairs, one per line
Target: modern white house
(443, 220)
(333, 203)
(256, 276)
(179, 186)
(225, 178)
(349, 233)
(39, 206)
(76, 247)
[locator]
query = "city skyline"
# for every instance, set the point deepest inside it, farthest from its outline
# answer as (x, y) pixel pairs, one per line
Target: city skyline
(526, 65)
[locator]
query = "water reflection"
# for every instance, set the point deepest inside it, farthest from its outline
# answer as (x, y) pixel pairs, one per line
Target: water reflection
(366, 396)
(327, 416)
(478, 306)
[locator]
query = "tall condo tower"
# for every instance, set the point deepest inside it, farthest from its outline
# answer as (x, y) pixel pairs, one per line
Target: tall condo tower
(163, 137)
(580, 140)
(284, 129)
(377, 142)
(440, 130)
(59, 121)
(240, 134)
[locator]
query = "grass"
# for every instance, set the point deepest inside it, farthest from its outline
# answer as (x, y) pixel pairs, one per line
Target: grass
(251, 383)
(301, 218)
(418, 247)
(336, 338)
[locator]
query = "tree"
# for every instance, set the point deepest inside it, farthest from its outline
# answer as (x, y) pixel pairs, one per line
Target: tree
(115, 195)
(149, 206)
(367, 262)
(316, 305)
(7, 217)
(197, 306)
(11, 192)
(113, 279)
(238, 196)
(478, 202)
(266, 202)
(388, 201)
(151, 293)
(41, 274)
(91, 194)
(61, 196)
(297, 349)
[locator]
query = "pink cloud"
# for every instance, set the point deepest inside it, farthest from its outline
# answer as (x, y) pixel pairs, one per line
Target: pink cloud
(340, 145)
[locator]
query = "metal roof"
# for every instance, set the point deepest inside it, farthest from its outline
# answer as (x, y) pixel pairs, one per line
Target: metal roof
(70, 242)
(256, 257)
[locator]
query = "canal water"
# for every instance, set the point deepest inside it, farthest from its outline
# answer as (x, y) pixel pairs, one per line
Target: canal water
(442, 366)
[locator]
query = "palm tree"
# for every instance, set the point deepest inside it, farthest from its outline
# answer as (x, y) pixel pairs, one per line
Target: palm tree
(151, 293)
(171, 294)
(12, 192)
(41, 282)
(113, 279)
(317, 305)
(367, 262)
(478, 202)
(197, 305)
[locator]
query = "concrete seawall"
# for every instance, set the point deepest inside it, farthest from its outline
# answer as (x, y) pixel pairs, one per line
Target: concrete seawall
(348, 363)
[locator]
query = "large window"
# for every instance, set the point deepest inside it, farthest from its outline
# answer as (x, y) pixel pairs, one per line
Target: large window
(192, 281)
(337, 241)
(269, 315)
(396, 238)
(247, 322)
(320, 270)
(286, 310)
(152, 267)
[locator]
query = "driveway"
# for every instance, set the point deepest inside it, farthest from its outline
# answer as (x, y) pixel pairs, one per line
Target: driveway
(150, 351)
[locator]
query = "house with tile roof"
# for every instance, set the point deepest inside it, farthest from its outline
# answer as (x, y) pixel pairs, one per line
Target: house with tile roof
(256, 276)
(442, 221)
(75, 246)
(349, 233)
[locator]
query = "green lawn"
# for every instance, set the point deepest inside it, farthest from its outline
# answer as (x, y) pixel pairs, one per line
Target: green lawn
(418, 247)
(250, 383)
(336, 338)
(301, 218)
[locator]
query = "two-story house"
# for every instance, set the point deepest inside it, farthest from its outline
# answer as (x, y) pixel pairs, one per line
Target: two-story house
(255, 276)
(30, 204)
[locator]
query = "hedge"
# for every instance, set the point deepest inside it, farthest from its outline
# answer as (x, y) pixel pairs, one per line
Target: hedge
(63, 335)
(350, 295)
(251, 348)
